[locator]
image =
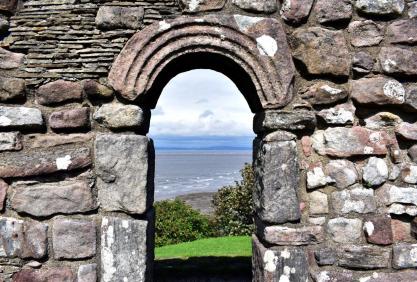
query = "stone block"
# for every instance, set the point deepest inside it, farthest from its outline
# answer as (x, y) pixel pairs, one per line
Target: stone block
(60, 91)
(404, 256)
(125, 168)
(257, 6)
(126, 249)
(318, 203)
(278, 263)
(190, 6)
(363, 257)
(325, 256)
(389, 194)
(378, 230)
(348, 142)
(70, 119)
(119, 17)
(380, 7)
(414, 227)
(119, 116)
(43, 161)
(324, 93)
(322, 51)
(382, 120)
(412, 152)
(95, 90)
(292, 236)
(10, 141)
(73, 239)
(401, 230)
(20, 118)
(11, 88)
(66, 197)
(22, 239)
(10, 60)
(61, 274)
(3, 193)
(365, 33)
(398, 61)
(409, 174)
(375, 172)
(377, 90)
(343, 173)
(358, 199)
(274, 120)
(317, 178)
(54, 140)
(340, 115)
(362, 62)
(402, 32)
(296, 11)
(276, 178)
(345, 230)
(87, 273)
(329, 11)
(407, 130)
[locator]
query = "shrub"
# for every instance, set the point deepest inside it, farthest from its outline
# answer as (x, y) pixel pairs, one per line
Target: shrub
(177, 222)
(234, 206)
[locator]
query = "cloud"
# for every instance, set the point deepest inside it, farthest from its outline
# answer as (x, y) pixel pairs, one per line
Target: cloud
(202, 101)
(206, 113)
(158, 111)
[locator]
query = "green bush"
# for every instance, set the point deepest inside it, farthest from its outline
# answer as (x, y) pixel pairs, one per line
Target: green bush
(177, 222)
(234, 206)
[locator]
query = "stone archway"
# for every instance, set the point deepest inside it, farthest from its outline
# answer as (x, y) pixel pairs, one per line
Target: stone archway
(254, 54)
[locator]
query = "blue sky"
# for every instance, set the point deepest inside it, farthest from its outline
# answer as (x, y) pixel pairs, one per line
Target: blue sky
(201, 103)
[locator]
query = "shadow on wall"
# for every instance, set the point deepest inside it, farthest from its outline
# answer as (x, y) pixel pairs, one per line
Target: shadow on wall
(204, 269)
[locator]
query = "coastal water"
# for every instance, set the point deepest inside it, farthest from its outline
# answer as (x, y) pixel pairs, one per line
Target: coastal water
(180, 172)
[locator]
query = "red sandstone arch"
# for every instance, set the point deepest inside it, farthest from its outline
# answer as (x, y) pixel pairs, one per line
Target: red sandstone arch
(251, 51)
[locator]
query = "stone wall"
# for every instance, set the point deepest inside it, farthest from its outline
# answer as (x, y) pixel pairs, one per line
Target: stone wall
(335, 155)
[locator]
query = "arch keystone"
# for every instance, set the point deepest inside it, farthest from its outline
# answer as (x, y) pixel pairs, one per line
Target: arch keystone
(246, 49)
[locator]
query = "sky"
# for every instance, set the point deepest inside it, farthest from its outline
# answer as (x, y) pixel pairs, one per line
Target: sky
(201, 103)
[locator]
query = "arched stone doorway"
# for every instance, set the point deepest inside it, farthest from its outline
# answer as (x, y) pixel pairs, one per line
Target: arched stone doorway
(254, 54)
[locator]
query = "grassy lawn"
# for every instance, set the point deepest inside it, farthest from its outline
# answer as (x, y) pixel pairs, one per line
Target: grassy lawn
(212, 247)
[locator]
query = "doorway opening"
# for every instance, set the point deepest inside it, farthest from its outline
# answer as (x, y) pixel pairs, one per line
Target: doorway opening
(202, 131)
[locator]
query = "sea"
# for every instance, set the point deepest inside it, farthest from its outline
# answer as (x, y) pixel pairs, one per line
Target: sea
(198, 164)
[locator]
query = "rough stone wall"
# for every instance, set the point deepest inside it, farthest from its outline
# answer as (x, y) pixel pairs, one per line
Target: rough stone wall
(336, 168)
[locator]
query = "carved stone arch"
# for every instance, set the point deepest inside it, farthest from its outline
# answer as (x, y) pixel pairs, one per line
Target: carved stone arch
(253, 52)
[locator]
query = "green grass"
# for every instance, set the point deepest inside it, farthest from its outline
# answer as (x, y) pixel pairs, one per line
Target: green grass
(212, 247)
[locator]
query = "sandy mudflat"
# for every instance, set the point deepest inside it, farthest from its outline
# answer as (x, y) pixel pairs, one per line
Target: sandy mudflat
(199, 201)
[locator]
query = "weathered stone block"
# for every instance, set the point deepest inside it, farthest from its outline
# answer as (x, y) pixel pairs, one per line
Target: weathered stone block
(343, 172)
(11, 88)
(380, 7)
(125, 169)
(3, 193)
(65, 197)
(276, 179)
(398, 61)
(73, 239)
(358, 199)
(70, 119)
(412, 152)
(345, 230)
(288, 236)
(54, 140)
(340, 114)
(126, 250)
(333, 10)
(409, 174)
(355, 141)
(43, 161)
(10, 141)
(318, 203)
(59, 91)
(377, 90)
(407, 130)
(365, 33)
(95, 90)
(404, 256)
(8, 5)
(61, 274)
(273, 120)
(324, 93)
(263, 6)
(20, 117)
(325, 256)
(411, 97)
(190, 6)
(296, 11)
(10, 60)
(362, 62)
(332, 275)
(278, 263)
(414, 227)
(87, 273)
(378, 230)
(382, 120)
(363, 257)
(390, 194)
(317, 178)
(375, 172)
(322, 51)
(22, 239)
(115, 17)
(400, 209)
(402, 32)
(401, 230)
(117, 116)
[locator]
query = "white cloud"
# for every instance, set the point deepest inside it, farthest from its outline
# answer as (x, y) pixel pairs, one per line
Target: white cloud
(201, 102)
